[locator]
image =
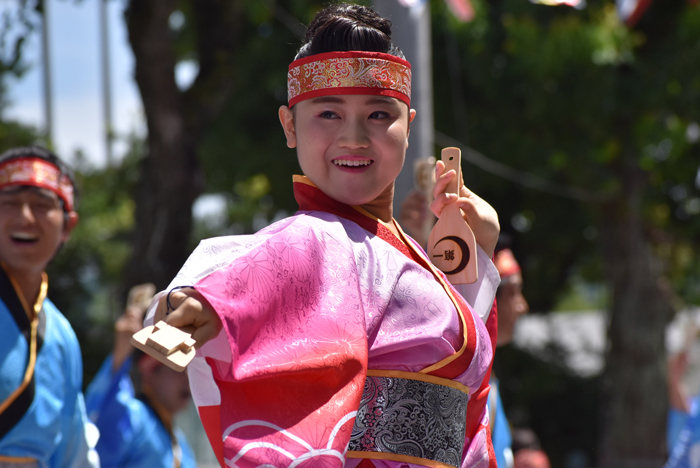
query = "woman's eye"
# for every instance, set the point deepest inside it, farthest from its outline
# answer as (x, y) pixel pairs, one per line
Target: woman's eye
(328, 115)
(379, 115)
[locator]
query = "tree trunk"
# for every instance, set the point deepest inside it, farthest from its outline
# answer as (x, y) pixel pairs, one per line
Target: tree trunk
(635, 401)
(171, 177)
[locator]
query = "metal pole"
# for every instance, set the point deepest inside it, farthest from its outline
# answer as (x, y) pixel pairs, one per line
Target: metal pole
(106, 82)
(411, 33)
(46, 61)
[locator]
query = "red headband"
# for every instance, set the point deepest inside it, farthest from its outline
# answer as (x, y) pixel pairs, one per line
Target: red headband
(506, 263)
(335, 73)
(37, 172)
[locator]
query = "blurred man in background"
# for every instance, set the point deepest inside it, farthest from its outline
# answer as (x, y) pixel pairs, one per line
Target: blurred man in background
(135, 418)
(511, 306)
(42, 410)
(527, 452)
(531, 458)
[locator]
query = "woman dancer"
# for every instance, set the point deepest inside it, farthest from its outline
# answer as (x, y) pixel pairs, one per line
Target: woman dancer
(328, 338)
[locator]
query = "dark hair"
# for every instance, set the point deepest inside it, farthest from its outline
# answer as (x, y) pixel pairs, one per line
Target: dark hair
(42, 153)
(343, 27)
(524, 438)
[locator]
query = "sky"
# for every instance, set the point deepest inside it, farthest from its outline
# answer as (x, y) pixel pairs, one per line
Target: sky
(78, 115)
(76, 71)
(77, 82)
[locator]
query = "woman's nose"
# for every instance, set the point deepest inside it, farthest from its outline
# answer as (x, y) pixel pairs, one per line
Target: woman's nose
(355, 135)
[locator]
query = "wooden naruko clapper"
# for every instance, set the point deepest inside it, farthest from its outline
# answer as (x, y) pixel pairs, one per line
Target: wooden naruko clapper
(451, 244)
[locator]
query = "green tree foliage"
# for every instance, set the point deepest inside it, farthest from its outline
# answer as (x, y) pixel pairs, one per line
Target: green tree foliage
(247, 143)
(608, 114)
(85, 278)
(562, 94)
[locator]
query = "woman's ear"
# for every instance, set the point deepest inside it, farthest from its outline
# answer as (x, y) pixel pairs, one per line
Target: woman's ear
(287, 121)
(411, 116)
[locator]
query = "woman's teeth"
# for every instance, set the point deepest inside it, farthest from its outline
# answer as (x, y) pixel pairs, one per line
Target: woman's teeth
(345, 162)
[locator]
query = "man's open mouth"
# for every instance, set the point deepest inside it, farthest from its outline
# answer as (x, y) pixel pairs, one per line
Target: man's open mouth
(24, 238)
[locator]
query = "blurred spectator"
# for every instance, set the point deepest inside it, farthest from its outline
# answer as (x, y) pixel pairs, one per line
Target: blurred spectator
(42, 410)
(415, 216)
(531, 458)
(136, 427)
(415, 213)
(525, 438)
(511, 305)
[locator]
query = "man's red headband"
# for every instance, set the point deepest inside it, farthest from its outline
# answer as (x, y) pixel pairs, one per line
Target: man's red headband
(37, 172)
(506, 264)
(335, 73)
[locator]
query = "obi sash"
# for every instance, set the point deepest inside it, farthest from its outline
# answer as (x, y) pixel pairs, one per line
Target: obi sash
(412, 418)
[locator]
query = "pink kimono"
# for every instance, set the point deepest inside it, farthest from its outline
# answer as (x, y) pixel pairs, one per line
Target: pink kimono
(341, 345)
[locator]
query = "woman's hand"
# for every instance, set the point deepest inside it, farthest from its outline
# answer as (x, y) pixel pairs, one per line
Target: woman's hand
(189, 309)
(480, 216)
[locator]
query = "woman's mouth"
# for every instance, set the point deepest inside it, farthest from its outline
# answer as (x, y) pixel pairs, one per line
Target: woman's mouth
(353, 165)
(352, 162)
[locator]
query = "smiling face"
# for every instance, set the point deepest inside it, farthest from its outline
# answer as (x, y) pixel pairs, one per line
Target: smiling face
(32, 227)
(352, 147)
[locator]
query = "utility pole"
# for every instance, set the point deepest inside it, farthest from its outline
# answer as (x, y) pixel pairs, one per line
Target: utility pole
(411, 34)
(106, 82)
(46, 62)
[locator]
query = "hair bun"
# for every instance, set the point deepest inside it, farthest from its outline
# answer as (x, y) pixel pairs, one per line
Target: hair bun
(343, 27)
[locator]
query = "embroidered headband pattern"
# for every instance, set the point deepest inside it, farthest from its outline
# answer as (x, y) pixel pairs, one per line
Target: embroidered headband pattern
(349, 73)
(38, 173)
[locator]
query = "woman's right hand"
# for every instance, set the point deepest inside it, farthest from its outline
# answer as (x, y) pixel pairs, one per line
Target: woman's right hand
(190, 309)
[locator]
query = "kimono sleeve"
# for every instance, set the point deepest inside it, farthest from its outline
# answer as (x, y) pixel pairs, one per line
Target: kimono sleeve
(281, 384)
(107, 400)
(78, 434)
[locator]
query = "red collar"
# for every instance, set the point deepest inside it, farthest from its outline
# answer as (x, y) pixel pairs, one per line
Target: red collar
(311, 198)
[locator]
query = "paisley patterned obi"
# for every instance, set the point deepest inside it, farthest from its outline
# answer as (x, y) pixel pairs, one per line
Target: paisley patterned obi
(412, 418)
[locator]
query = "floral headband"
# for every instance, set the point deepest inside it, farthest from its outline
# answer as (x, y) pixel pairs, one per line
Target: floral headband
(354, 72)
(37, 172)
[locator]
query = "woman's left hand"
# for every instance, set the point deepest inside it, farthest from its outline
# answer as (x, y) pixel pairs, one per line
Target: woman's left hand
(480, 216)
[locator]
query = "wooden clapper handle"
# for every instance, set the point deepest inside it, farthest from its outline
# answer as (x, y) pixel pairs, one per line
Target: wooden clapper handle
(451, 244)
(169, 345)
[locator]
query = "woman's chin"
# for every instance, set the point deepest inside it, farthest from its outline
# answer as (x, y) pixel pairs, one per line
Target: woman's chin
(353, 199)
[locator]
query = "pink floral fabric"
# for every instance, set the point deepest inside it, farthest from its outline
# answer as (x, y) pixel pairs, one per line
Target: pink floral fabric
(308, 305)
